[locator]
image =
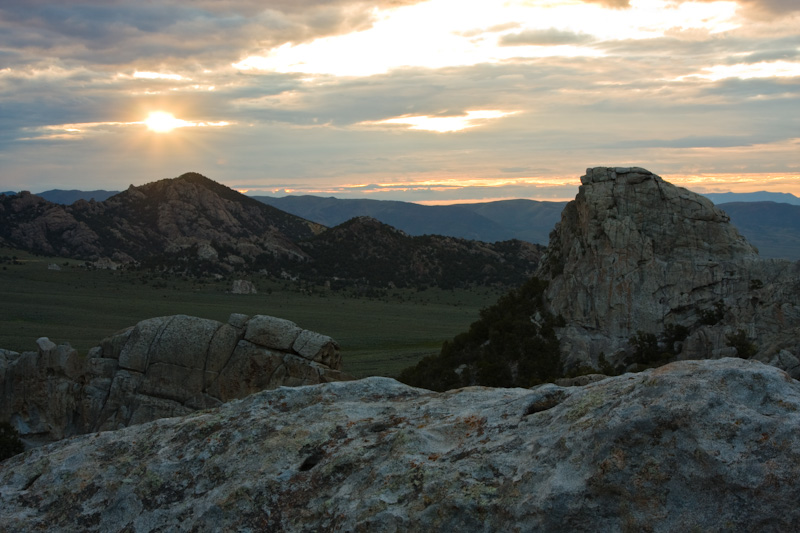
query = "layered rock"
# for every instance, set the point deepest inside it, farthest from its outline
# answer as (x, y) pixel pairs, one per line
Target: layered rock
(166, 366)
(692, 446)
(634, 253)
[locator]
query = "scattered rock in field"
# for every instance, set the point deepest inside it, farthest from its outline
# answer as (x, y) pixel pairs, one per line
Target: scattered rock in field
(243, 286)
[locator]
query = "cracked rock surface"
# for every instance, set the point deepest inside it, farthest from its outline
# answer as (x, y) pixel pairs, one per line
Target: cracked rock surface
(692, 446)
(635, 253)
(162, 367)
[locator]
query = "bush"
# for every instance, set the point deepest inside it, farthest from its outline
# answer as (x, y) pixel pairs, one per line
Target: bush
(507, 347)
(10, 444)
(673, 334)
(709, 317)
(645, 348)
(744, 348)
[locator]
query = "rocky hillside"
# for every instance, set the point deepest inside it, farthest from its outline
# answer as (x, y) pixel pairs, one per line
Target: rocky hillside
(162, 367)
(190, 217)
(368, 250)
(194, 225)
(693, 446)
(639, 268)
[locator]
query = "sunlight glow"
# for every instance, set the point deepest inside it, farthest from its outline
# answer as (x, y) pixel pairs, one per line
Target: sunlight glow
(447, 33)
(444, 124)
(158, 76)
(161, 122)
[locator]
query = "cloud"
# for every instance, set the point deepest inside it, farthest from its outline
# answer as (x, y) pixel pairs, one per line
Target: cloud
(549, 37)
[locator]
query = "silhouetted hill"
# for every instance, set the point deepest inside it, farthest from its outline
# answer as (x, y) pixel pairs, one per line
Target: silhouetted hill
(528, 220)
(414, 219)
(59, 196)
(760, 196)
(192, 224)
(773, 228)
(365, 249)
(775, 233)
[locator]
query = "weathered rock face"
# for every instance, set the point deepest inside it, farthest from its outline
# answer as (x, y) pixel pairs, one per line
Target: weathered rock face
(166, 366)
(170, 217)
(635, 253)
(692, 446)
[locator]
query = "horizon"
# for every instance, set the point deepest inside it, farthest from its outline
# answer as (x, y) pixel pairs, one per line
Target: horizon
(282, 194)
(428, 101)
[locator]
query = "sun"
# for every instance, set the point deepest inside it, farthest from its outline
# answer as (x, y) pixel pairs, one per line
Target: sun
(162, 122)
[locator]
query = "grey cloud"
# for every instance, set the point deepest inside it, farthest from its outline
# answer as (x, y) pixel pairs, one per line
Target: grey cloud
(547, 37)
(171, 34)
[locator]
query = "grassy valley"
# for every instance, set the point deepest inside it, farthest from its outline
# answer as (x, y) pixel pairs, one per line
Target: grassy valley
(381, 332)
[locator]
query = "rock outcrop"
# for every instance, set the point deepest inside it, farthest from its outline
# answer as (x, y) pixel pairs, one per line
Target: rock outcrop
(691, 446)
(633, 253)
(168, 220)
(162, 367)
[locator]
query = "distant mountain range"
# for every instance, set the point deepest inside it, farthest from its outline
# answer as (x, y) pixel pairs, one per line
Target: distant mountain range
(192, 224)
(526, 220)
(760, 196)
(768, 220)
(773, 227)
(59, 196)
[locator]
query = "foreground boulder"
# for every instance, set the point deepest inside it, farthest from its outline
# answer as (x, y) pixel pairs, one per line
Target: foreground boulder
(691, 446)
(165, 366)
(634, 254)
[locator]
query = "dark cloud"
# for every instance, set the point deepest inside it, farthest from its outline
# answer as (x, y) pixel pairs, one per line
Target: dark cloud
(548, 37)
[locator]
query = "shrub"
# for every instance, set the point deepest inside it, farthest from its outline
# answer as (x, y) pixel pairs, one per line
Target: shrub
(10, 444)
(709, 317)
(506, 347)
(673, 334)
(744, 348)
(645, 348)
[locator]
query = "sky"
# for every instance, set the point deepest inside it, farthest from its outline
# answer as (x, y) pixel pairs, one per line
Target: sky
(433, 101)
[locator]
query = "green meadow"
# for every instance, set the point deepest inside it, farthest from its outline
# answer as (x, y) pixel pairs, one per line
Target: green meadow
(380, 332)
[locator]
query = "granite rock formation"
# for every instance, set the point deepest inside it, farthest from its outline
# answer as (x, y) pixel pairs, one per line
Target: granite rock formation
(162, 367)
(633, 253)
(691, 446)
(186, 216)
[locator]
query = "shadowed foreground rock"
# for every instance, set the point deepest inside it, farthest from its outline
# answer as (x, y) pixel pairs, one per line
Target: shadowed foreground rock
(695, 445)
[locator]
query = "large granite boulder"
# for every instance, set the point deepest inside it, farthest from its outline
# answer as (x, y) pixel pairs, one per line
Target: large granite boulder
(691, 446)
(165, 366)
(633, 253)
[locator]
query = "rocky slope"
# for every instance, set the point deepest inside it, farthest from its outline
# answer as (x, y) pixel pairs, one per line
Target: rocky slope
(189, 216)
(635, 254)
(165, 366)
(365, 249)
(194, 225)
(693, 446)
